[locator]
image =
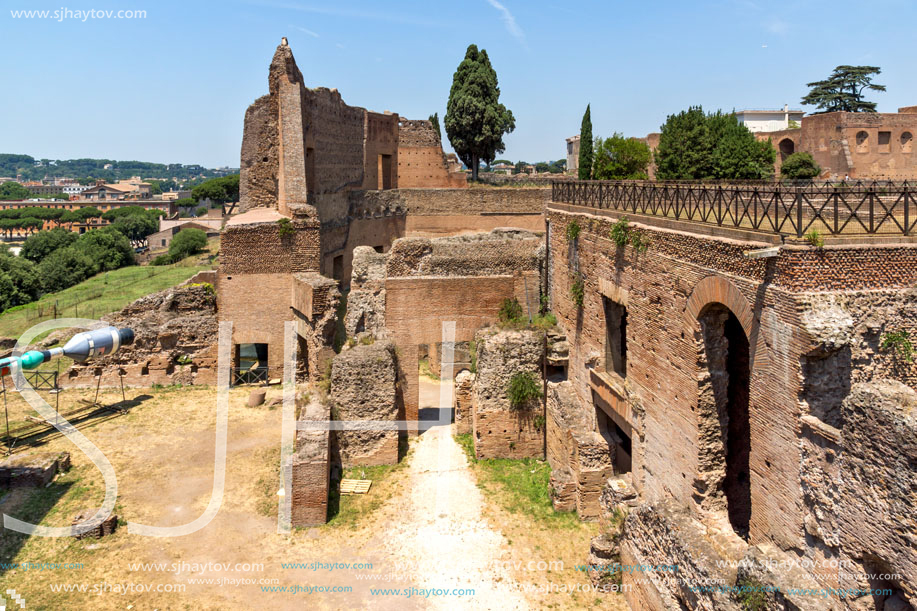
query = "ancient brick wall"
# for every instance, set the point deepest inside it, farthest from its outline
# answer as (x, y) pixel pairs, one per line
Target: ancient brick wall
(311, 469)
(501, 429)
(450, 202)
(364, 388)
(257, 264)
(175, 342)
(380, 151)
(861, 144)
(420, 158)
(795, 386)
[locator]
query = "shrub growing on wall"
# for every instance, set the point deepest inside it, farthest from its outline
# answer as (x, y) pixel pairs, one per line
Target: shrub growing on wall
(523, 389)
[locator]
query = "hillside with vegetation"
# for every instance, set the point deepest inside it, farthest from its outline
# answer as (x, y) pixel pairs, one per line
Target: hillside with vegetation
(30, 168)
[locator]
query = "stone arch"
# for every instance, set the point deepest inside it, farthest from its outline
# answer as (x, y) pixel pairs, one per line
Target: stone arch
(907, 140)
(786, 147)
(862, 142)
(716, 289)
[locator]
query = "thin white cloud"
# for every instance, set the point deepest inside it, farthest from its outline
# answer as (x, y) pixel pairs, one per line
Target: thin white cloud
(349, 13)
(509, 21)
(309, 32)
(339, 45)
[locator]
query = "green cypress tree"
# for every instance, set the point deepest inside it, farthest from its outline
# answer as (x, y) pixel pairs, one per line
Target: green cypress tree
(434, 119)
(475, 120)
(585, 146)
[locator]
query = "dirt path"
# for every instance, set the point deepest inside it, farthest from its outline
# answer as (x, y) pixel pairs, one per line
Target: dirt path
(441, 536)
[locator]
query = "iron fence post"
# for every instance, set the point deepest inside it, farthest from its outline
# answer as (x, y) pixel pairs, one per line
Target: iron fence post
(798, 203)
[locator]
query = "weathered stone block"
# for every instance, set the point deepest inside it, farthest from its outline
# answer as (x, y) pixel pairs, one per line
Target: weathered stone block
(364, 387)
(500, 430)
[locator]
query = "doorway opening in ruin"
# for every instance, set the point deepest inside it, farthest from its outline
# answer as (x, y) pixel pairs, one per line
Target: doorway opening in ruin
(787, 147)
(619, 442)
(310, 170)
(724, 406)
(385, 172)
(615, 337)
(337, 268)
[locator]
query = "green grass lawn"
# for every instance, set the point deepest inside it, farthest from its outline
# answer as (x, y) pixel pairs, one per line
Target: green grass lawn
(519, 486)
(100, 295)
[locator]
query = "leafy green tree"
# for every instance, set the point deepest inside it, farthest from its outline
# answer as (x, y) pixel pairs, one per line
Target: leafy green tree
(434, 119)
(43, 243)
(737, 153)
(218, 190)
(187, 242)
(136, 227)
(19, 281)
(14, 190)
(800, 166)
(63, 268)
(88, 212)
(475, 119)
(116, 213)
(519, 167)
(694, 146)
(843, 90)
(201, 211)
(620, 158)
(107, 248)
(585, 146)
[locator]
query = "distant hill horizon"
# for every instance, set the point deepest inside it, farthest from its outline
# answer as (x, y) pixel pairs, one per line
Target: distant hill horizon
(30, 168)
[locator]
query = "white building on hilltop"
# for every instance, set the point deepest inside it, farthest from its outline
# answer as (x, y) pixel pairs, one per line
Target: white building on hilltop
(769, 120)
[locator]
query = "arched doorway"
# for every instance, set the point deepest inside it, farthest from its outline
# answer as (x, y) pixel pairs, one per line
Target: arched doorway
(786, 147)
(723, 402)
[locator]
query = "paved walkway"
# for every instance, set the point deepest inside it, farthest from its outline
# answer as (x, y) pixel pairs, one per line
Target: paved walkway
(444, 535)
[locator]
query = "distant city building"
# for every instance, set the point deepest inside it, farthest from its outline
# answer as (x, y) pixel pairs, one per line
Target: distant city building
(37, 188)
(134, 188)
(573, 154)
(171, 196)
(163, 238)
(74, 189)
(502, 168)
(769, 120)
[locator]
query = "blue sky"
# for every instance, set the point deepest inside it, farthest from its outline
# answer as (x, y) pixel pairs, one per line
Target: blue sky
(173, 87)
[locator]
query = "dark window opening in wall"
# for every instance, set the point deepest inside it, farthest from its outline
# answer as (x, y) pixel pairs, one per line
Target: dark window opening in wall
(615, 337)
(787, 147)
(737, 485)
(862, 140)
(619, 442)
(906, 141)
(385, 171)
(337, 268)
(884, 142)
(251, 355)
(310, 170)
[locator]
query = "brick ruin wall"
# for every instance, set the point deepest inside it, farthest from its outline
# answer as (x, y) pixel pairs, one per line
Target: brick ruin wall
(832, 139)
(407, 293)
(795, 393)
(421, 163)
(255, 283)
(499, 428)
(311, 467)
(175, 342)
(365, 387)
